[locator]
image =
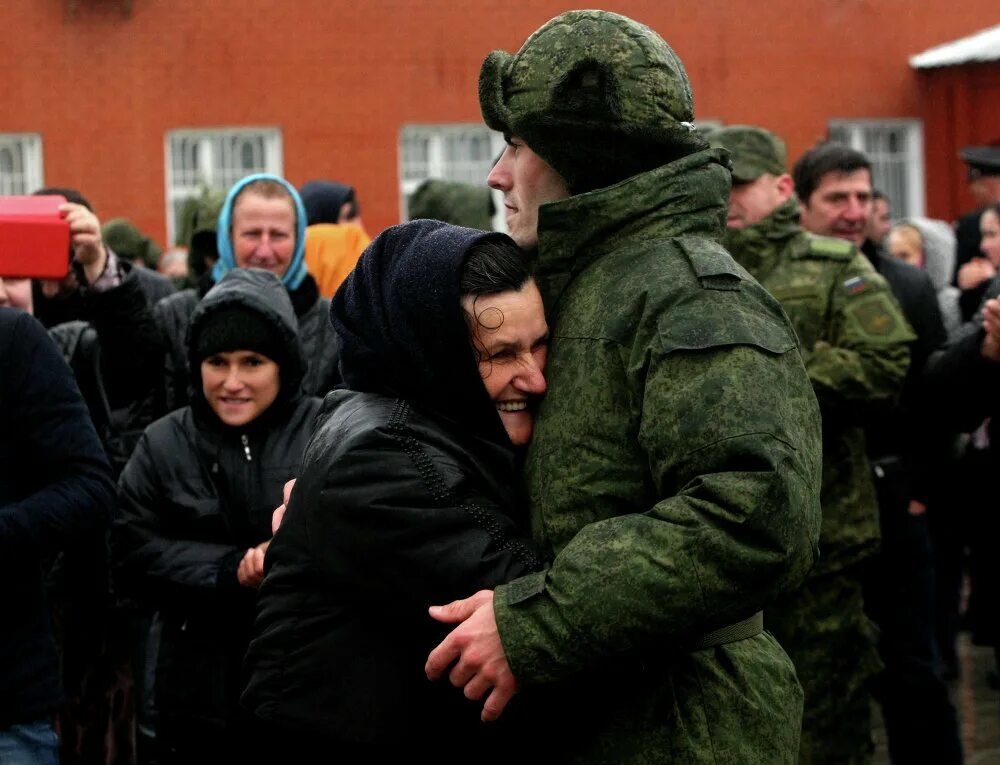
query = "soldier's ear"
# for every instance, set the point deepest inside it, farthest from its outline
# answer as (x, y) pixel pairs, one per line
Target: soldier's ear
(786, 187)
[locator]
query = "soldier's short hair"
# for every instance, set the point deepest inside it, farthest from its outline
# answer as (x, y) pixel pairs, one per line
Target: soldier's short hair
(828, 157)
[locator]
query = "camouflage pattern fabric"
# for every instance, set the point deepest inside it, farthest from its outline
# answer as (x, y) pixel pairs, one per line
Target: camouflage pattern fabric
(126, 241)
(674, 476)
(855, 344)
(753, 151)
(451, 202)
(597, 95)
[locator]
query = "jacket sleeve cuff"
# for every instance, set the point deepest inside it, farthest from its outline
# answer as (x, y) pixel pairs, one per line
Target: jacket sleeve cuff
(539, 643)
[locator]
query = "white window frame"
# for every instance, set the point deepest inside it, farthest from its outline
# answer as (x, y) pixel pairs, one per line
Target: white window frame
(205, 144)
(914, 189)
(411, 174)
(29, 177)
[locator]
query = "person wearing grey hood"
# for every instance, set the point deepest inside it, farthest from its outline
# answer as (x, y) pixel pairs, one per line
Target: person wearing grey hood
(194, 512)
(929, 244)
(262, 225)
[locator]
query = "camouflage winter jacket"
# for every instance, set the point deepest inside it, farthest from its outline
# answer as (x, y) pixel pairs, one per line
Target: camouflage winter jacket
(674, 478)
(855, 344)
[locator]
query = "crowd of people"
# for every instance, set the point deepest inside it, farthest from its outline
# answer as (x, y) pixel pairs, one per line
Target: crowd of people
(689, 466)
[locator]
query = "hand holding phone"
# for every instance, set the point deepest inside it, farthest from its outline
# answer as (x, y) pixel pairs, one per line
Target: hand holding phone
(85, 239)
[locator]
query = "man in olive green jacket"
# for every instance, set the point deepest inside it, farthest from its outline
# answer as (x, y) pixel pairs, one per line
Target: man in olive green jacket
(675, 467)
(855, 343)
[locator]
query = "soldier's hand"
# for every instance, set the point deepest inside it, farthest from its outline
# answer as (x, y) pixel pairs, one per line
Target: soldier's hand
(85, 239)
(474, 648)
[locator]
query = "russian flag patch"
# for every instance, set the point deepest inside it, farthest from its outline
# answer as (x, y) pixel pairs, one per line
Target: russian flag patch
(855, 285)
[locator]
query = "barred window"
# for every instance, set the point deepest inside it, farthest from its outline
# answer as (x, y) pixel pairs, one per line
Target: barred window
(215, 159)
(895, 149)
(20, 163)
(456, 152)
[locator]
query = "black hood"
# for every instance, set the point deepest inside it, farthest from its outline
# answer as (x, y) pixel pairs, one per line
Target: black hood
(323, 200)
(403, 331)
(260, 291)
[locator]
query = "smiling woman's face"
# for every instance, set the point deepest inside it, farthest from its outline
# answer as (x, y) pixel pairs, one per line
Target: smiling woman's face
(511, 337)
(239, 385)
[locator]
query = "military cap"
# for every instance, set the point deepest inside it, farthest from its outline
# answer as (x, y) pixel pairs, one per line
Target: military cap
(982, 160)
(753, 151)
(126, 241)
(597, 95)
(452, 202)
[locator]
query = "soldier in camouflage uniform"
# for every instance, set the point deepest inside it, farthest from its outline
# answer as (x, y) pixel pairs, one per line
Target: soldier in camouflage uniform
(855, 343)
(675, 468)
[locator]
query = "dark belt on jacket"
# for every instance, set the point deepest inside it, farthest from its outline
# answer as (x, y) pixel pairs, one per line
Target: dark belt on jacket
(748, 628)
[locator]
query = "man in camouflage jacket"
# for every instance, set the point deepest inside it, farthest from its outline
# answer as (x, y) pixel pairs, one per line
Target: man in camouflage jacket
(855, 343)
(675, 467)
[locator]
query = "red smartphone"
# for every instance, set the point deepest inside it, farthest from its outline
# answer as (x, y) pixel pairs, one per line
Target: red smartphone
(34, 237)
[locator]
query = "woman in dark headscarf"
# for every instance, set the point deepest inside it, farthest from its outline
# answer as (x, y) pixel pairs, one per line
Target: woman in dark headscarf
(407, 497)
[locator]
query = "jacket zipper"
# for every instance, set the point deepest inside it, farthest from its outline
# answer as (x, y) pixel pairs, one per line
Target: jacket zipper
(246, 447)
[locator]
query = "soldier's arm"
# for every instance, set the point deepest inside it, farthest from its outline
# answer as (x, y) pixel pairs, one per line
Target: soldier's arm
(864, 359)
(732, 439)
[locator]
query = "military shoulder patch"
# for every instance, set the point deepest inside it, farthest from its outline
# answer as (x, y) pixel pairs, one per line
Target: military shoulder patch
(873, 317)
(855, 285)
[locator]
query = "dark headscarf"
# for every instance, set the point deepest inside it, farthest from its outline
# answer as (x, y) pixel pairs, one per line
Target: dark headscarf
(403, 330)
(323, 200)
(250, 290)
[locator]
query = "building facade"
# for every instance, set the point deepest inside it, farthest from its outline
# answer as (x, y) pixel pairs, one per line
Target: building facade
(140, 102)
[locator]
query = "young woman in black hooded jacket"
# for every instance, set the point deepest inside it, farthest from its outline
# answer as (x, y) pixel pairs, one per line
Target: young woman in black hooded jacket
(408, 497)
(195, 504)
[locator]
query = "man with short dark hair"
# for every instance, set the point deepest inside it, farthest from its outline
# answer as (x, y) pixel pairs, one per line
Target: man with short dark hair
(674, 471)
(905, 454)
(855, 345)
(834, 186)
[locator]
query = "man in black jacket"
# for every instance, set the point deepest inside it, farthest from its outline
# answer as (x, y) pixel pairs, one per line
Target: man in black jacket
(964, 379)
(55, 485)
(835, 185)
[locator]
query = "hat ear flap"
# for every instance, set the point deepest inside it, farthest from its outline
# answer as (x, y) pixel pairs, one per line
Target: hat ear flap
(491, 97)
(590, 90)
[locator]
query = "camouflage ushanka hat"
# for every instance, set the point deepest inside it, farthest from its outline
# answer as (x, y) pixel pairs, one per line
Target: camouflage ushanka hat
(597, 95)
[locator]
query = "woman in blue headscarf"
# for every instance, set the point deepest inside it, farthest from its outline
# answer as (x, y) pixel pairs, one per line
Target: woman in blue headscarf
(262, 225)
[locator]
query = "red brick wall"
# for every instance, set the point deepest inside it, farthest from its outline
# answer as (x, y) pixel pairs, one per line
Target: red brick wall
(963, 105)
(340, 77)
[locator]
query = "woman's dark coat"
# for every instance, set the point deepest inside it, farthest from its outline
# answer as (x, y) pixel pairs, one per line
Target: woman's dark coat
(407, 499)
(194, 497)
